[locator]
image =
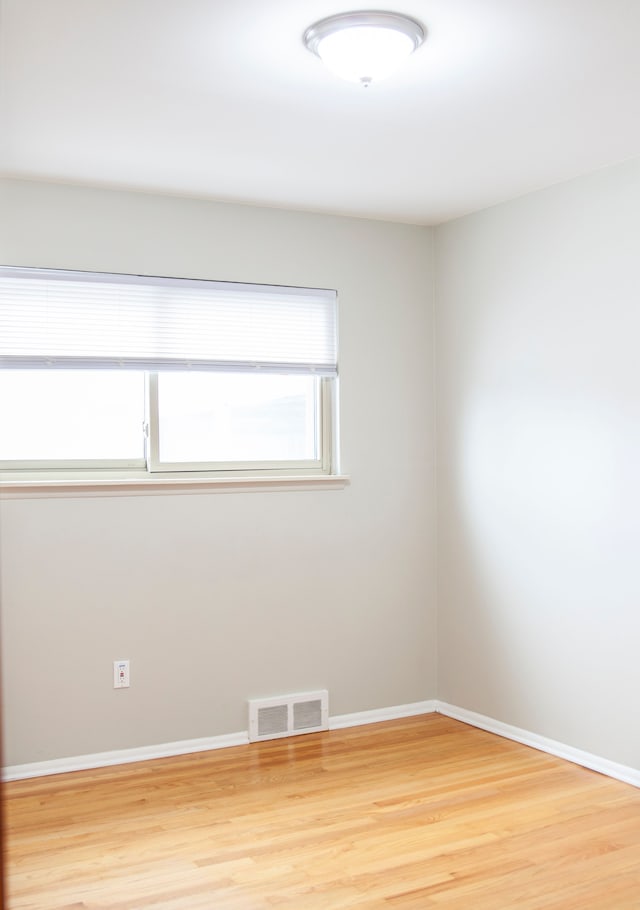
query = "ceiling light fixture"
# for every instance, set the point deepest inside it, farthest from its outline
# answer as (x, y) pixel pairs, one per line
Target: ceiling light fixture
(364, 46)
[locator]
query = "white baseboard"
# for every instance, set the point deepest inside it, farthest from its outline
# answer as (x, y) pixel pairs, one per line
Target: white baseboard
(184, 747)
(122, 756)
(340, 721)
(594, 762)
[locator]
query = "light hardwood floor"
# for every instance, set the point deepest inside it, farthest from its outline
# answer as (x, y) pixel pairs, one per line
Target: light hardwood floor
(411, 814)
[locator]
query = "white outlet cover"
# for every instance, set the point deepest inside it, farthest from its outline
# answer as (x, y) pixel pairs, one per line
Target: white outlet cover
(121, 678)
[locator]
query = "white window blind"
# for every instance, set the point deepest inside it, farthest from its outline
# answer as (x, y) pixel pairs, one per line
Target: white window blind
(66, 320)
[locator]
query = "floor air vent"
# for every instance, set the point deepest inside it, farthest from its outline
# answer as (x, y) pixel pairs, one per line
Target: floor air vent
(288, 715)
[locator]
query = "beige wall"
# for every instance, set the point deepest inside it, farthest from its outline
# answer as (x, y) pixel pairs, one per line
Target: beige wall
(217, 598)
(539, 462)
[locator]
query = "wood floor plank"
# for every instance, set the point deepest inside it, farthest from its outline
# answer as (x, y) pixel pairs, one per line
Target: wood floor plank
(424, 812)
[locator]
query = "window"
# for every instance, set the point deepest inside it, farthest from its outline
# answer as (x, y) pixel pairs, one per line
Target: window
(141, 375)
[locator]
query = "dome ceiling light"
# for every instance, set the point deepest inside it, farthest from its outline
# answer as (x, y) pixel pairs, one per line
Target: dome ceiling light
(364, 46)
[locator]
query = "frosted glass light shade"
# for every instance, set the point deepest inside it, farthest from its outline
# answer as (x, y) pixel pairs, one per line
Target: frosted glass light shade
(364, 47)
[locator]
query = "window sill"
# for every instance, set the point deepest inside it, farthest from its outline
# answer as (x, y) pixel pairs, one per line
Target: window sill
(155, 484)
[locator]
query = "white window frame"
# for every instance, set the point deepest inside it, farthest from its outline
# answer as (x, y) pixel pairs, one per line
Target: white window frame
(150, 469)
(130, 466)
(321, 465)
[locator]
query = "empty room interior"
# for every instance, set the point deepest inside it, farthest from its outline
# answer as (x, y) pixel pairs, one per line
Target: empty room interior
(431, 563)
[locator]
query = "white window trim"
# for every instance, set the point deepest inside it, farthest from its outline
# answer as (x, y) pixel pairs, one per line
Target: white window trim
(44, 486)
(140, 482)
(322, 465)
(124, 478)
(150, 465)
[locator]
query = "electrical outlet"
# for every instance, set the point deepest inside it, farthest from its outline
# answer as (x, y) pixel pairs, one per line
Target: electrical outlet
(121, 674)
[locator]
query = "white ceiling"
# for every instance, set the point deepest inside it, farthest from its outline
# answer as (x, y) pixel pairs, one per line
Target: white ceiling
(220, 99)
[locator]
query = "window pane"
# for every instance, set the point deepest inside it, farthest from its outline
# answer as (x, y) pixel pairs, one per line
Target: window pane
(71, 414)
(222, 417)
